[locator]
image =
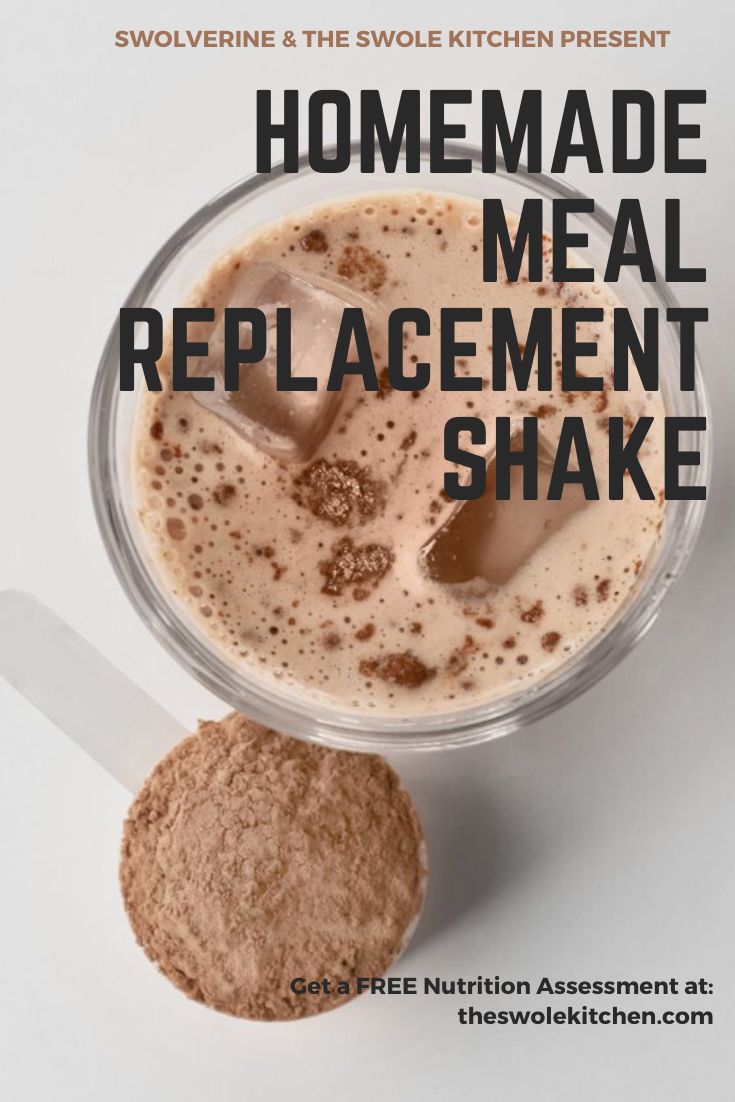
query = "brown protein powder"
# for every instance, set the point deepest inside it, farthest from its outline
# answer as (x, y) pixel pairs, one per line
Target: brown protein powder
(250, 859)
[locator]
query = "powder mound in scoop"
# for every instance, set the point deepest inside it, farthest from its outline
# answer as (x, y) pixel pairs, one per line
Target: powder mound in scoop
(250, 859)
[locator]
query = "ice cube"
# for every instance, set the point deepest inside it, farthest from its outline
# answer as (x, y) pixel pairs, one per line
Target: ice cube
(490, 540)
(289, 425)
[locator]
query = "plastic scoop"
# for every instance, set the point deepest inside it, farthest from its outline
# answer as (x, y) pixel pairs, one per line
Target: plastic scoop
(88, 698)
(98, 707)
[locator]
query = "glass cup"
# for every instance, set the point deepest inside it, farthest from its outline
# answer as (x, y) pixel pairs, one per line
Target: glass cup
(166, 282)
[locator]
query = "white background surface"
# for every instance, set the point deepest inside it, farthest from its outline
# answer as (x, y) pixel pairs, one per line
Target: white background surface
(597, 844)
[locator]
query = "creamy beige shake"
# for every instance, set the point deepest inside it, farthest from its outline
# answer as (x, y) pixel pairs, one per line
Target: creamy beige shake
(324, 570)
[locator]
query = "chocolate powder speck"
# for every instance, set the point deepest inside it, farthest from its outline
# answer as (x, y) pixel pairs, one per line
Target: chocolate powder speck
(362, 267)
(384, 386)
(223, 493)
(580, 595)
(550, 640)
(459, 659)
(534, 613)
(354, 564)
(314, 241)
(603, 589)
(157, 430)
(543, 410)
(403, 669)
(249, 859)
(341, 492)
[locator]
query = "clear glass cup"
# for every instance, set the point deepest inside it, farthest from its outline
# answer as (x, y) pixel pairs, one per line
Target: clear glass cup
(166, 282)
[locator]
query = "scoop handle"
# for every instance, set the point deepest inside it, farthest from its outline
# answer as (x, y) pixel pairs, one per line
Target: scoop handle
(74, 686)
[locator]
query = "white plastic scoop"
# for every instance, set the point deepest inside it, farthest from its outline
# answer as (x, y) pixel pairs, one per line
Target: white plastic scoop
(96, 705)
(88, 698)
